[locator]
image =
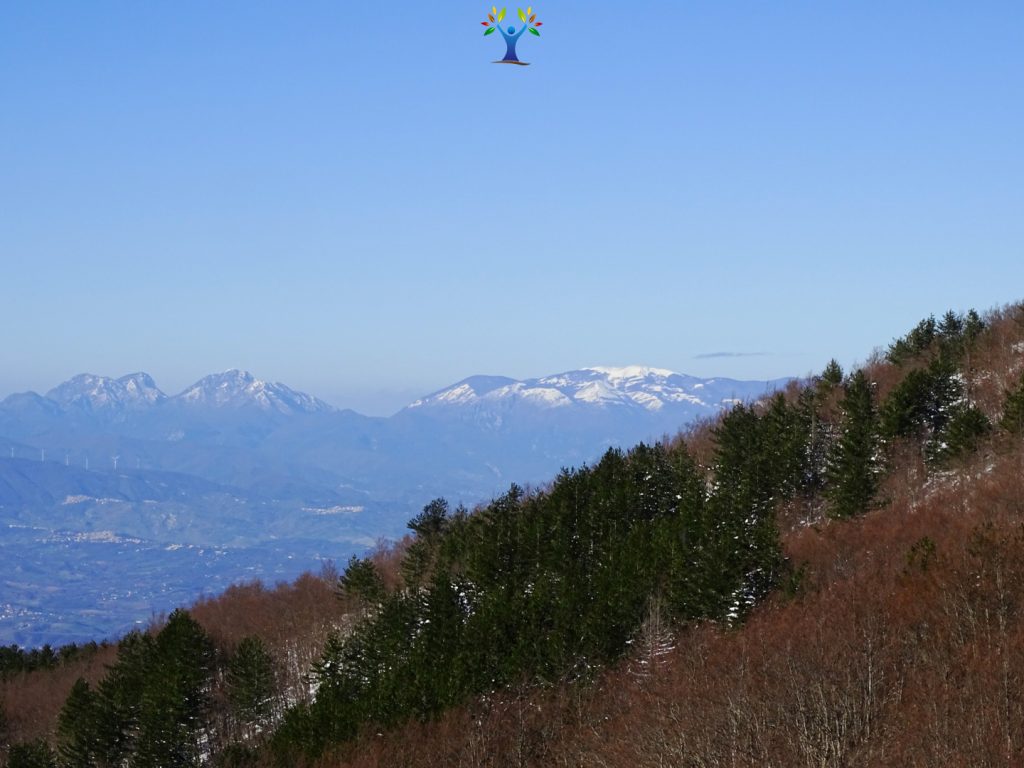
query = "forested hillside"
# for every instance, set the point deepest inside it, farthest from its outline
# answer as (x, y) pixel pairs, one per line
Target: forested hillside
(832, 576)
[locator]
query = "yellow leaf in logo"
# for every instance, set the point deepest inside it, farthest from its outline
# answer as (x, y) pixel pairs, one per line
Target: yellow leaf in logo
(529, 11)
(494, 10)
(501, 15)
(522, 16)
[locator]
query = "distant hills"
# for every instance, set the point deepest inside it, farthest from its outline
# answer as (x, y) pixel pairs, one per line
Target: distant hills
(240, 477)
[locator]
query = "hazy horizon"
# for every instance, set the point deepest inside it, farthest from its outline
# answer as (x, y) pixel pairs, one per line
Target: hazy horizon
(371, 402)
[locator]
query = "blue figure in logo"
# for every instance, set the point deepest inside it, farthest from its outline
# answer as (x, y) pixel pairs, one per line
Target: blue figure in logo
(510, 41)
(529, 19)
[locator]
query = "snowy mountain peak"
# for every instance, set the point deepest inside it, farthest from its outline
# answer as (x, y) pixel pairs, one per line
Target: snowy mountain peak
(652, 390)
(98, 393)
(235, 388)
(140, 386)
(632, 372)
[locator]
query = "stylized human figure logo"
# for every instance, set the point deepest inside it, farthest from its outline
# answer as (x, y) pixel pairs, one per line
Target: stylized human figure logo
(529, 19)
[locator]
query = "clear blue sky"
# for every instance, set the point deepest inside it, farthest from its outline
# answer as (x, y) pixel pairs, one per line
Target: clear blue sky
(348, 197)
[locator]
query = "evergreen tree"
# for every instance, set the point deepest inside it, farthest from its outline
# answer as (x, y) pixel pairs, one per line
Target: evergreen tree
(428, 526)
(250, 683)
(964, 431)
(173, 713)
(818, 437)
(744, 549)
(785, 433)
(833, 374)
(921, 405)
(951, 327)
(854, 465)
(361, 581)
(1013, 410)
(915, 343)
(973, 326)
(78, 744)
(118, 700)
(31, 754)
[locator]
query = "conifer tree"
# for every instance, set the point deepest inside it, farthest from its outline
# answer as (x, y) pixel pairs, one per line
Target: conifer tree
(76, 728)
(833, 374)
(31, 754)
(786, 431)
(921, 405)
(973, 326)
(118, 699)
(951, 327)
(915, 343)
(854, 464)
(173, 713)
(428, 526)
(361, 581)
(1013, 410)
(963, 433)
(744, 549)
(250, 682)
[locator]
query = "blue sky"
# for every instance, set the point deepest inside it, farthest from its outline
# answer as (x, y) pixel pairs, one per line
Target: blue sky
(351, 199)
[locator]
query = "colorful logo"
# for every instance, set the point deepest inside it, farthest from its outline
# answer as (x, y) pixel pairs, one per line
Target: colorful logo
(529, 19)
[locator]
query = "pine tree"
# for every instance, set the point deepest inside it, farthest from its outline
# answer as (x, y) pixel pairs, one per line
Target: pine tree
(785, 433)
(250, 682)
(973, 326)
(915, 343)
(173, 713)
(922, 404)
(951, 327)
(833, 374)
(361, 581)
(421, 556)
(31, 754)
(1013, 410)
(854, 466)
(743, 556)
(118, 699)
(962, 435)
(76, 728)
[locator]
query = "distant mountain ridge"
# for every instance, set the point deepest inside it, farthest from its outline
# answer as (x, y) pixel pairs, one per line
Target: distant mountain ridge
(231, 389)
(464, 440)
(652, 389)
(95, 393)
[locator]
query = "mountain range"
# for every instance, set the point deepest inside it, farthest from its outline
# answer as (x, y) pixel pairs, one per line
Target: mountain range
(236, 477)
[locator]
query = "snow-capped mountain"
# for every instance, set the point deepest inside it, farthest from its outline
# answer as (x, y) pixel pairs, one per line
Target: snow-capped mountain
(99, 393)
(240, 389)
(655, 391)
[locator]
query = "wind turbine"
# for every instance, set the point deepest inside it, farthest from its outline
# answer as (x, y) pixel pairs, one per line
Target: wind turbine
(115, 458)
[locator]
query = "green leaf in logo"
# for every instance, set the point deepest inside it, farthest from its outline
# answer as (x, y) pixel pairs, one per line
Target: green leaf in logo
(488, 31)
(534, 31)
